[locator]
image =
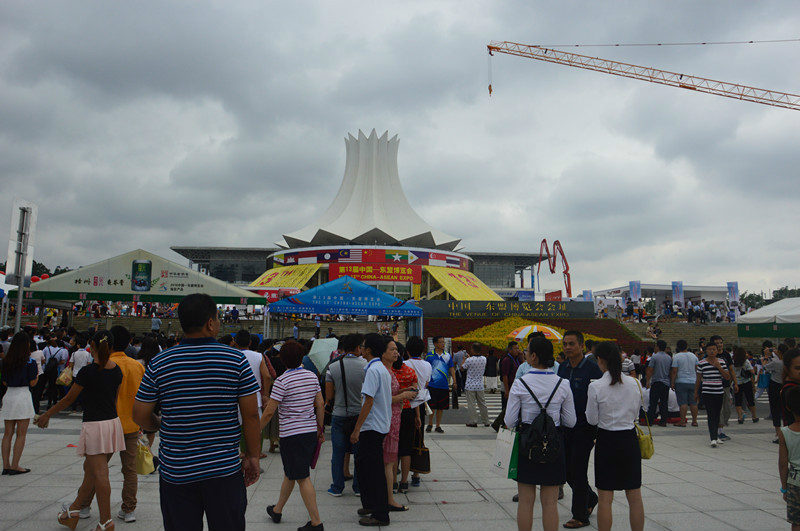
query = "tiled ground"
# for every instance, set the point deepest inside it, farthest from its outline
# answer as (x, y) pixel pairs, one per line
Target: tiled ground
(687, 485)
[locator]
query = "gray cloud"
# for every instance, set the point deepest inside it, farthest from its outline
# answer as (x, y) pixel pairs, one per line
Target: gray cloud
(156, 124)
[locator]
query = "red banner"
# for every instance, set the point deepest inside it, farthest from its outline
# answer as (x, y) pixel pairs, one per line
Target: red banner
(553, 296)
(376, 272)
(276, 294)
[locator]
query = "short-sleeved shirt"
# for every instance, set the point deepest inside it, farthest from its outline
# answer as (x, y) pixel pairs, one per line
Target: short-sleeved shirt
(491, 367)
(38, 357)
(423, 370)
(22, 376)
(378, 385)
(296, 390)
(99, 392)
(80, 359)
(198, 384)
(508, 368)
(406, 377)
(60, 354)
(686, 363)
(744, 373)
(440, 369)
(132, 372)
(254, 359)
(474, 365)
(354, 373)
(661, 364)
(579, 378)
(712, 378)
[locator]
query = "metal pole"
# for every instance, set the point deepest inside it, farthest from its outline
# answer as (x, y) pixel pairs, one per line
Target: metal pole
(22, 251)
(265, 318)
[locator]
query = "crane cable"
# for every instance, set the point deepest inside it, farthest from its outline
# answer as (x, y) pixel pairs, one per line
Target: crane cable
(663, 44)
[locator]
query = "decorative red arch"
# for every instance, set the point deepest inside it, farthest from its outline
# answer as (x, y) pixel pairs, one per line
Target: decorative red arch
(544, 252)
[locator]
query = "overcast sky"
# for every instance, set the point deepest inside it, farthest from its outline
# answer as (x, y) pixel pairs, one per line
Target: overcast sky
(150, 124)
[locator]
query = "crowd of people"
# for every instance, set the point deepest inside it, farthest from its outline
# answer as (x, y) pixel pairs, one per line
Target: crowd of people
(376, 394)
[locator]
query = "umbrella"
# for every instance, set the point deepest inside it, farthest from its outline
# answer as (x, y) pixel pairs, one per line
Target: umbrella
(321, 350)
(524, 331)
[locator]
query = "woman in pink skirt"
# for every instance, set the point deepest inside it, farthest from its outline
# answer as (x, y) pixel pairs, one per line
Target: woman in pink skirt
(390, 443)
(101, 431)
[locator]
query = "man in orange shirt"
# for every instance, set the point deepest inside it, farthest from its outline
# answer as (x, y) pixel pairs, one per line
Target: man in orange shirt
(132, 372)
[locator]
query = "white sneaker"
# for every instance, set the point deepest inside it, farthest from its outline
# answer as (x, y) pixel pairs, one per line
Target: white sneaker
(128, 517)
(713, 444)
(720, 441)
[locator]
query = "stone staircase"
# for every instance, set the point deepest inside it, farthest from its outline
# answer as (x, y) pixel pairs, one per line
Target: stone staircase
(671, 332)
(278, 327)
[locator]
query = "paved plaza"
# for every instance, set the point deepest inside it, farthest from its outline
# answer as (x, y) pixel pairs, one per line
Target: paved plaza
(687, 485)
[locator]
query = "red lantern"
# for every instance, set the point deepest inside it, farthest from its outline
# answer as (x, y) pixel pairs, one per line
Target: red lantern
(35, 279)
(45, 276)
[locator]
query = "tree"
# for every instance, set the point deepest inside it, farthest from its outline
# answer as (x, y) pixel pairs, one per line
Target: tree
(785, 293)
(751, 300)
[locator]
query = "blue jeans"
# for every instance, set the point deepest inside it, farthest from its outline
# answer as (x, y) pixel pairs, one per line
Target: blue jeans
(341, 445)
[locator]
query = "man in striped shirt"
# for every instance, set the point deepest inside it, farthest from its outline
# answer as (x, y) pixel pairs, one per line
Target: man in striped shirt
(200, 384)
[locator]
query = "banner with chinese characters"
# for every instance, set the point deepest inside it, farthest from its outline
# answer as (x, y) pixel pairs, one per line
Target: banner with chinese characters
(553, 296)
(137, 276)
(462, 285)
(286, 277)
(503, 309)
(376, 272)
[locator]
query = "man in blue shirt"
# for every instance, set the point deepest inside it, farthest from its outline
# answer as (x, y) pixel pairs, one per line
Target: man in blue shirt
(372, 425)
(200, 470)
(579, 440)
(442, 372)
(658, 381)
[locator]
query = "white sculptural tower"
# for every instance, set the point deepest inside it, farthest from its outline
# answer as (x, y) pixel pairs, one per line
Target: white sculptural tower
(370, 207)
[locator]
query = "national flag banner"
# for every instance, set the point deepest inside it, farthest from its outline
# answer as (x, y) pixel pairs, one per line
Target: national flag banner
(373, 256)
(350, 255)
(291, 259)
(437, 259)
(278, 259)
(454, 261)
(412, 257)
(397, 256)
(327, 257)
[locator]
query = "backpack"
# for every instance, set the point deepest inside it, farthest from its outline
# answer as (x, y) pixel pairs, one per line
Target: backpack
(52, 362)
(540, 441)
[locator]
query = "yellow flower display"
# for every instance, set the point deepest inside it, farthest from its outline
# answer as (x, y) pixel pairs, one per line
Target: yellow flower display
(496, 335)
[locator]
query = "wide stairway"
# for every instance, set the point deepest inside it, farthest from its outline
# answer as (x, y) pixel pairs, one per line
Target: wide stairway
(671, 332)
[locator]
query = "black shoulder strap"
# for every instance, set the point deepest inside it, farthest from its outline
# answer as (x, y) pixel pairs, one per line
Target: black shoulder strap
(344, 382)
(536, 399)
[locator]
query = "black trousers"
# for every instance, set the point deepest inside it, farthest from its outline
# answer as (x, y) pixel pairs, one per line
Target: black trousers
(578, 444)
(371, 476)
(223, 500)
(659, 395)
(774, 394)
(713, 410)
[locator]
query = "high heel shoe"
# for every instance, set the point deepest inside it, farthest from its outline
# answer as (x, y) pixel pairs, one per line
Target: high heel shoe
(69, 517)
(108, 526)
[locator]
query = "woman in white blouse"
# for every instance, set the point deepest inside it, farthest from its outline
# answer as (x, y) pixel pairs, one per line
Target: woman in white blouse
(542, 381)
(613, 406)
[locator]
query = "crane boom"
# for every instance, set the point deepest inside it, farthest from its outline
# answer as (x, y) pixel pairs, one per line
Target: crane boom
(653, 75)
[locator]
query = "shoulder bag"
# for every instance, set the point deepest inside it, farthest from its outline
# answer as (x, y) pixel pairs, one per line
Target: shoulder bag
(646, 445)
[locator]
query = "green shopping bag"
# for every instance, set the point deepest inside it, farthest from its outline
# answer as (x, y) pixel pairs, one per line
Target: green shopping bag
(514, 462)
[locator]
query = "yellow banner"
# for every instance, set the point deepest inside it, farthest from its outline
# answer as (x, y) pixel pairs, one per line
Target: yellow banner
(462, 285)
(286, 277)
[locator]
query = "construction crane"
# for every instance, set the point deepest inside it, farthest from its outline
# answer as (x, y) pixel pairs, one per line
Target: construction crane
(544, 253)
(644, 73)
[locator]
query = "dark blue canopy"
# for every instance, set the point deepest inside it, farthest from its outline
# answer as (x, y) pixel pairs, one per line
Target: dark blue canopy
(348, 296)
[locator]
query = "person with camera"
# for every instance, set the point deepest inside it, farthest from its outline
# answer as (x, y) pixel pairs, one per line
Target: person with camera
(474, 363)
(343, 382)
